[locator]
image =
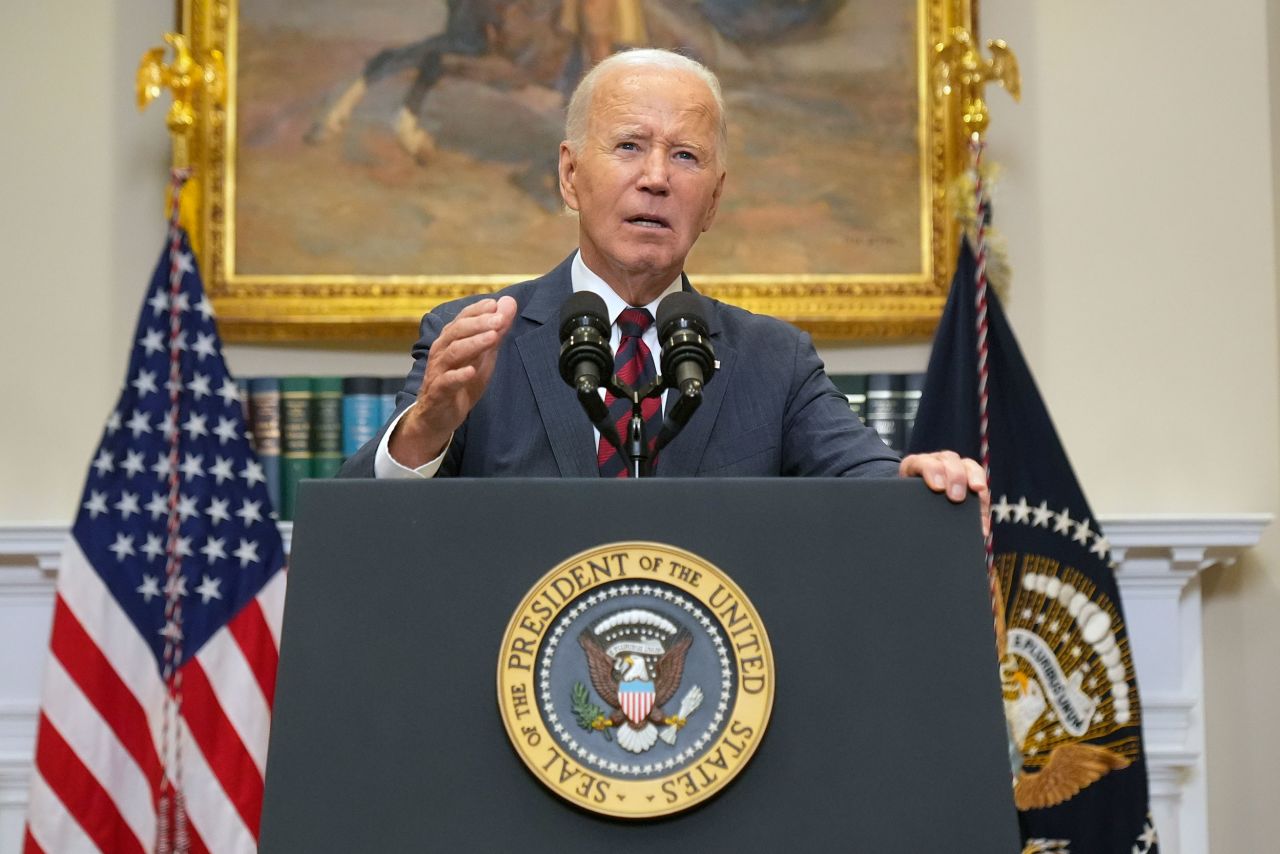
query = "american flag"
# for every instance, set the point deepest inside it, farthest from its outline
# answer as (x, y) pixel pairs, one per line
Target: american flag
(157, 695)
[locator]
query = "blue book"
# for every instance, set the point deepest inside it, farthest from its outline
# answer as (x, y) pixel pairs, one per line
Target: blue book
(362, 413)
(391, 386)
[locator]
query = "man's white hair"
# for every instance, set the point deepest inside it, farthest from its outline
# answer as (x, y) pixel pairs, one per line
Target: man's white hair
(576, 120)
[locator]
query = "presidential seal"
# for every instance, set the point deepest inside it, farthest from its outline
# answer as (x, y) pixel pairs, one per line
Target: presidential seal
(635, 680)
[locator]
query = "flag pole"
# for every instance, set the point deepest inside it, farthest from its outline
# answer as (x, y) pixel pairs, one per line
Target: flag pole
(191, 76)
(961, 72)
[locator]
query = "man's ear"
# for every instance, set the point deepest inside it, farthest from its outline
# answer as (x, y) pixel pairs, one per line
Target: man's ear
(715, 203)
(568, 170)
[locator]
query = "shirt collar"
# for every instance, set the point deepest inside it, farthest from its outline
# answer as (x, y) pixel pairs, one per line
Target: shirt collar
(586, 280)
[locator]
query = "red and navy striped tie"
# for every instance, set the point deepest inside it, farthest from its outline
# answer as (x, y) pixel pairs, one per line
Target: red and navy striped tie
(634, 366)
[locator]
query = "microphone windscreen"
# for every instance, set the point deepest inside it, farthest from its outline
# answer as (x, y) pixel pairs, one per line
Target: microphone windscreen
(584, 304)
(680, 305)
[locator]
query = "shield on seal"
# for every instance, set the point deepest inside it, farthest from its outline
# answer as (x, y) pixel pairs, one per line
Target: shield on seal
(636, 699)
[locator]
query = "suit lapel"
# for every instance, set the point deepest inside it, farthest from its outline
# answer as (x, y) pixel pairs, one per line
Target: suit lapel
(683, 456)
(568, 429)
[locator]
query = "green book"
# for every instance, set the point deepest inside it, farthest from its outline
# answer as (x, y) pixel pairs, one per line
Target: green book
(295, 434)
(326, 426)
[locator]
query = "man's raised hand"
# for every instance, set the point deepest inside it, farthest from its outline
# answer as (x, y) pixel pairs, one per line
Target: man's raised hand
(459, 366)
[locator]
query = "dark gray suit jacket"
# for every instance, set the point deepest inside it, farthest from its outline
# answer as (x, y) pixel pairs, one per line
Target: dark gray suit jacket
(769, 410)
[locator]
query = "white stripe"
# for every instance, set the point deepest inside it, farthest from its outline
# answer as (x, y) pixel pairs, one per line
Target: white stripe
(271, 598)
(51, 825)
(93, 741)
(114, 633)
(214, 816)
(238, 692)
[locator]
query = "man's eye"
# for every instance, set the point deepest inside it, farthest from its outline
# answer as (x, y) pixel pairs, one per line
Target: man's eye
(687, 155)
(628, 146)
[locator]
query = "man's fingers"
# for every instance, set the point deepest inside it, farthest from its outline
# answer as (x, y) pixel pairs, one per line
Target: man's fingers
(466, 325)
(957, 477)
(467, 350)
(451, 380)
(976, 475)
(943, 471)
(978, 484)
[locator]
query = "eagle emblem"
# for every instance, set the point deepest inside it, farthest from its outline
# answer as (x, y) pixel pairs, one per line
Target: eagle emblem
(635, 659)
(1067, 694)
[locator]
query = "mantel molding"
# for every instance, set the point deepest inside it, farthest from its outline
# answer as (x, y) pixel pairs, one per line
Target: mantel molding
(1213, 538)
(1216, 538)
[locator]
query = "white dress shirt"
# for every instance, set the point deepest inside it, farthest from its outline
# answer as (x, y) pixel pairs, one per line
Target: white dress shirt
(583, 279)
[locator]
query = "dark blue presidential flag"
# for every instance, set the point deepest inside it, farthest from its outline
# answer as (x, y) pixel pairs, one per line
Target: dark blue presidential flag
(1070, 694)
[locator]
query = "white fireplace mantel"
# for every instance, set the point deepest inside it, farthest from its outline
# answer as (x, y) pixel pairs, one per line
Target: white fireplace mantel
(1160, 558)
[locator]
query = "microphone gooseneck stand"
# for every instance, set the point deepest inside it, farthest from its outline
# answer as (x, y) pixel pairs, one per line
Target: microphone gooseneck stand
(586, 362)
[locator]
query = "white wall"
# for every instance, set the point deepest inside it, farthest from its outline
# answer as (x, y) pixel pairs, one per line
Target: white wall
(1137, 198)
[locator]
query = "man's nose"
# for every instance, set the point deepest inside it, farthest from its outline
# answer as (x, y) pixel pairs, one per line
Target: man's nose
(654, 176)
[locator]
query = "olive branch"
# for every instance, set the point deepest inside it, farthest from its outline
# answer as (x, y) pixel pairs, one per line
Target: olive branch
(588, 714)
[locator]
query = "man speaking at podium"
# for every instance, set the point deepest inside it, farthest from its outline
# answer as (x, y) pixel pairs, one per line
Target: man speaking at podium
(643, 164)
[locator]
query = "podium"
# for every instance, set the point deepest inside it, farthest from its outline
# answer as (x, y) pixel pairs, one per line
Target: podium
(886, 734)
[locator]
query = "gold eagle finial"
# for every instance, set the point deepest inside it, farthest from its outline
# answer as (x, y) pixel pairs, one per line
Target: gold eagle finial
(960, 70)
(188, 77)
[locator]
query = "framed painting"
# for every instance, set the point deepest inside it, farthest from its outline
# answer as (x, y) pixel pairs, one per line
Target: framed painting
(373, 160)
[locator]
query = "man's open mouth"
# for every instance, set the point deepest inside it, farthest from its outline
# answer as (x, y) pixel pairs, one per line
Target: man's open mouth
(647, 221)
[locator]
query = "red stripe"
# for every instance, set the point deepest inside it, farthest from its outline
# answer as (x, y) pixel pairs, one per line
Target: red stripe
(29, 844)
(80, 792)
(252, 633)
(103, 687)
(221, 745)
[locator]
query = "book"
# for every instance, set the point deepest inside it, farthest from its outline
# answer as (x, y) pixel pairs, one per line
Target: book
(326, 426)
(912, 388)
(391, 386)
(295, 439)
(264, 422)
(854, 388)
(242, 386)
(361, 411)
(884, 407)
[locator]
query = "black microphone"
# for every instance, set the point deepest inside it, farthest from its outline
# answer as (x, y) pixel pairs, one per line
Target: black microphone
(688, 361)
(586, 361)
(585, 358)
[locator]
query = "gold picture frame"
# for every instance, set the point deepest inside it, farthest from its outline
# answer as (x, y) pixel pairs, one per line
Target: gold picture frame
(359, 307)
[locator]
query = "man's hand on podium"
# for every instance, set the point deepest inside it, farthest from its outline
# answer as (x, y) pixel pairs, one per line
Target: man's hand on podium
(458, 370)
(957, 476)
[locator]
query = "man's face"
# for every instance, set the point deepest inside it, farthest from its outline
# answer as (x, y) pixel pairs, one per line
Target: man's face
(647, 180)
